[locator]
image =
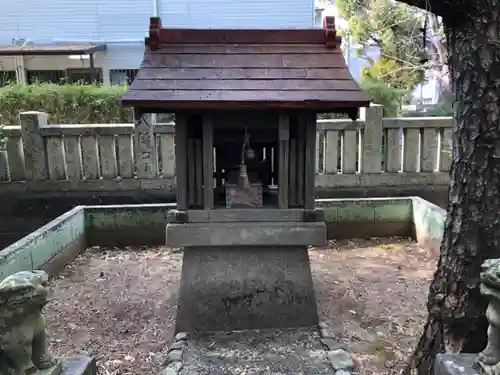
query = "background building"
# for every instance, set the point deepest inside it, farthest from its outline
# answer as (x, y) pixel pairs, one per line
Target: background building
(115, 32)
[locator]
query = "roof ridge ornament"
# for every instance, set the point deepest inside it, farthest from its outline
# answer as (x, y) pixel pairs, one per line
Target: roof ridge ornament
(332, 40)
(153, 41)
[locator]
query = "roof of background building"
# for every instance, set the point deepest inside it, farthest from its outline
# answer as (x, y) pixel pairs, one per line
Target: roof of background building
(50, 49)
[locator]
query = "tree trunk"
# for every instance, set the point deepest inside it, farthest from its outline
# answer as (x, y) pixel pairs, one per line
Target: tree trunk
(456, 320)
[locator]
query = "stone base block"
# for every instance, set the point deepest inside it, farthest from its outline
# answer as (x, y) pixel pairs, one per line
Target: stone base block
(245, 287)
(55, 370)
(455, 364)
(81, 365)
(246, 234)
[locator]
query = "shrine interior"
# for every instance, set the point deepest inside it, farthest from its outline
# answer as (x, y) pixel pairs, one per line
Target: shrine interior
(246, 159)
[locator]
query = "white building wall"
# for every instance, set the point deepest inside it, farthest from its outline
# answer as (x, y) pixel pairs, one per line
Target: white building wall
(123, 25)
(263, 14)
(76, 20)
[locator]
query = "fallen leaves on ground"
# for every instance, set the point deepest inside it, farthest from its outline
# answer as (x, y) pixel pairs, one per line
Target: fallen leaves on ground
(119, 305)
(373, 294)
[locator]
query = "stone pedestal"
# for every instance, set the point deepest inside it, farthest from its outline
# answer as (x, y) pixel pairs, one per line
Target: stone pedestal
(80, 365)
(228, 288)
(455, 364)
(245, 269)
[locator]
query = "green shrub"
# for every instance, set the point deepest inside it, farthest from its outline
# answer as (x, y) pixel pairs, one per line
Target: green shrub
(65, 104)
(380, 93)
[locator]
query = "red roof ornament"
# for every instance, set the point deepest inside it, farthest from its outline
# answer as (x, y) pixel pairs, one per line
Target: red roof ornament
(332, 40)
(153, 42)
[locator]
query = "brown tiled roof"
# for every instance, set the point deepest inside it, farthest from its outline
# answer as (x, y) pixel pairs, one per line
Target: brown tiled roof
(221, 69)
(50, 49)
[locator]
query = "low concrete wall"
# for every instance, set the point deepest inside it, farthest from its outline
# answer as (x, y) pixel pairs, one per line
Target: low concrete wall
(367, 217)
(437, 194)
(415, 217)
(122, 225)
(49, 247)
(345, 218)
(21, 215)
(62, 239)
(428, 221)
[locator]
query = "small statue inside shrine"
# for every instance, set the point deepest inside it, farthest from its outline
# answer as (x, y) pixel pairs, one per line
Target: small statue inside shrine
(244, 187)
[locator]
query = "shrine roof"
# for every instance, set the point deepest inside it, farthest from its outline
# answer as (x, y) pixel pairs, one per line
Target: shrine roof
(236, 68)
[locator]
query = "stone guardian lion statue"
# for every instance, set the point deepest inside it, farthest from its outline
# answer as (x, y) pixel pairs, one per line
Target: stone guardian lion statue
(488, 361)
(22, 325)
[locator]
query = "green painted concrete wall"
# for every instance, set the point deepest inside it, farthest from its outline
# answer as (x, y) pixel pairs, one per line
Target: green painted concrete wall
(336, 210)
(39, 247)
(366, 209)
(123, 217)
(428, 220)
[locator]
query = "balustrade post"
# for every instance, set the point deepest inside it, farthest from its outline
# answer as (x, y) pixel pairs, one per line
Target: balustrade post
(145, 146)
(35, 157)
(372, 153)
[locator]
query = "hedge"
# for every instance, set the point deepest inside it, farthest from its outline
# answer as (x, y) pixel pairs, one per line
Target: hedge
(65, 104)
(74, 104)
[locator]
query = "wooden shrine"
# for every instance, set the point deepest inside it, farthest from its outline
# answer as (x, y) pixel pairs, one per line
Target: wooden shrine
(245, 105)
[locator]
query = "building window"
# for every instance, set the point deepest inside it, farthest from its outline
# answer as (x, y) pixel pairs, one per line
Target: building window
(318, 17)
(122, 76)
(84, 76)
(7, 77)
(45, 76)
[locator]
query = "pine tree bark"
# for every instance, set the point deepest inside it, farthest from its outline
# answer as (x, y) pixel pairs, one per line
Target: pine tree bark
(456, 320)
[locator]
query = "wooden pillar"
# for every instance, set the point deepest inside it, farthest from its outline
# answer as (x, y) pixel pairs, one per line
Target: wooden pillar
(308, 120)
(181, 160)
(301, 159)
(208, 161)
(283, 160)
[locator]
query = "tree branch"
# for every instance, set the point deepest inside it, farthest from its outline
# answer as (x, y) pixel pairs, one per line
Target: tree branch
(376, 40)
(449, 9)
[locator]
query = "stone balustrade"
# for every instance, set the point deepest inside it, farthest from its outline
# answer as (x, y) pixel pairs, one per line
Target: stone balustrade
(373, 152)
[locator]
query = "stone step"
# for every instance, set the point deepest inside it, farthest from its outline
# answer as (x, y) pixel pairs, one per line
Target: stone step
(251, 352)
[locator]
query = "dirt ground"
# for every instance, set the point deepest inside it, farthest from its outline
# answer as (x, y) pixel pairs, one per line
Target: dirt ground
(119, 304)
(373, 293)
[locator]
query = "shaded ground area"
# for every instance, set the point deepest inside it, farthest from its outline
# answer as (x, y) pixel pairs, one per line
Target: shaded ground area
(120, 305)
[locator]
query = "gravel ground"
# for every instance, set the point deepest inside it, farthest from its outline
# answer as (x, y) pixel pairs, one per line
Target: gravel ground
(120, 304)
